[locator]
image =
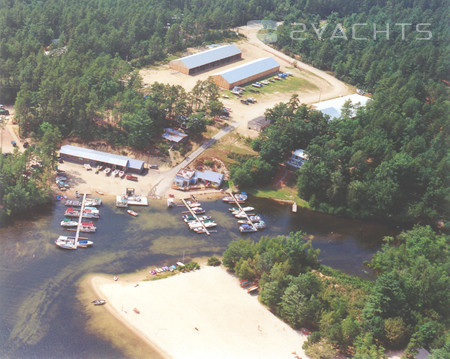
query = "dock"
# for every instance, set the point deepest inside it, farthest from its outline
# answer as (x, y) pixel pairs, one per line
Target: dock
(195, 216)
(80, 218)
(242, 211)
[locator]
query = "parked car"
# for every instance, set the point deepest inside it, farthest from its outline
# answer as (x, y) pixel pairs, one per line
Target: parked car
(154, 167)
(4, 112)
(14, 143)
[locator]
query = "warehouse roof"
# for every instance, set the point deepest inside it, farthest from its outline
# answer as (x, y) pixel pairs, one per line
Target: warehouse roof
(208, 56)
(333, 107)
(249, 69)
(173, 135)
(210, 176)
(99, 156)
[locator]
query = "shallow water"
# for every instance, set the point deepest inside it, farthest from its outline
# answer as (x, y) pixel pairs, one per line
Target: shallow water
(40, 316)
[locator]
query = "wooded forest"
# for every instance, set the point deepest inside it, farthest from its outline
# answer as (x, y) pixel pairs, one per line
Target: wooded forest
(406, 307)
(391, 161)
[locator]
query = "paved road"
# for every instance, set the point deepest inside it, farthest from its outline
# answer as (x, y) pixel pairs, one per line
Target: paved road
(164, 181)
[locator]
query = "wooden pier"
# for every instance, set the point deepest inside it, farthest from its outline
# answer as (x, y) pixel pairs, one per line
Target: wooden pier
(242, 211)
(80, 218)
(195, 216)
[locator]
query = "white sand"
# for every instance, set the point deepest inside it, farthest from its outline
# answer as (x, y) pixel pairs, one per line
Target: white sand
(202, 314)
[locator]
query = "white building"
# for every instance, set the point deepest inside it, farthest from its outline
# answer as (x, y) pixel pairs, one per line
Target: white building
(333, 107)
(297, 159)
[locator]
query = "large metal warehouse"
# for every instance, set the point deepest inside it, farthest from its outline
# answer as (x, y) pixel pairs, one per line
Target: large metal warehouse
(93, 157)
(206, 60)
(246, 73)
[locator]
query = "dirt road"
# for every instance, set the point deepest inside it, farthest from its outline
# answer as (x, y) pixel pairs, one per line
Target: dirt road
(327, 87)
(336, 87)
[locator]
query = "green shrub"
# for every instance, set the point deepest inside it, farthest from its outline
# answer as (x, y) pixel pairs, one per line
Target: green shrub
(214, 261)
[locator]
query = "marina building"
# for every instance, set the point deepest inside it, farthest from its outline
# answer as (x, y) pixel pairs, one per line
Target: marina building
(95, 158)
(246, 73)
(333, 107)
(206, 60)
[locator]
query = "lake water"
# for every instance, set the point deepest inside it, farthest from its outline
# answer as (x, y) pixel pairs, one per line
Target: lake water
(40, 316)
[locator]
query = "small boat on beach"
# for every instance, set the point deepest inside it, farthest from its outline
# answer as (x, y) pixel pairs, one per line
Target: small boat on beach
(121, 174)
(116, 278)
(87, 166)
(133, 213)
(66, 242)
(252, 289)
(170, 202)
(116, 173)
(136, 310)
(99, 302)
(100, 193)
(107, 171)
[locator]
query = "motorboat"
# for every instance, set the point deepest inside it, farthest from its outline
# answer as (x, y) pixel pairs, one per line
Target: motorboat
(133, 213)
(88, 229)
(260, 225)
(193, 204)
(68, 223)
(198, 210)
(66, 242)
(255, 218)
(247, 228)
(204, 218)
(84, 243)
(245, 209)
(99, 302)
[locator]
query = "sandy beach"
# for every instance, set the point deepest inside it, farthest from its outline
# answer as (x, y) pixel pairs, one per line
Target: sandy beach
(201, 314)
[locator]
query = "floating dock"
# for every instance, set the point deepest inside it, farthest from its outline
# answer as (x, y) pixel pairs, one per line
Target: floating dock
(125, 201)
(242, 211)
(195, 216)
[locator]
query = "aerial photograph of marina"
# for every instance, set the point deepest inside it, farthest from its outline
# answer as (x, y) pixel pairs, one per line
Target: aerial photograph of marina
(224, 179)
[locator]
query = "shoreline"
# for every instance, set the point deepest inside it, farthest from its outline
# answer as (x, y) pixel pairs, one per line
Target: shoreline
(198, 314)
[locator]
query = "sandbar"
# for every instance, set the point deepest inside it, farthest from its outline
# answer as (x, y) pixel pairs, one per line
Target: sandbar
(200, 314)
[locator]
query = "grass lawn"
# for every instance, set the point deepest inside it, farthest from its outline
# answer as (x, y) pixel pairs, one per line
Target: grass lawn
(288, 85)
(229, 149)
(284, 193)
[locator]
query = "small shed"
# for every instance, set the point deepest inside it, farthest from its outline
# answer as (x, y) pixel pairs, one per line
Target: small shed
(184, 178)
(258, 124)
(172, 135)
(297, 159)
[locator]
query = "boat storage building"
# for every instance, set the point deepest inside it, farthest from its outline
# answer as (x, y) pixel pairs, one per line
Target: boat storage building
(94, 158)
(334, 107)
(206, 60)
(246, 73)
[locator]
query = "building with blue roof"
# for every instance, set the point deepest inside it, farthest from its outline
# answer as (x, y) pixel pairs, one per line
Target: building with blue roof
(94, 158)
(206, 60)
(246, 73)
